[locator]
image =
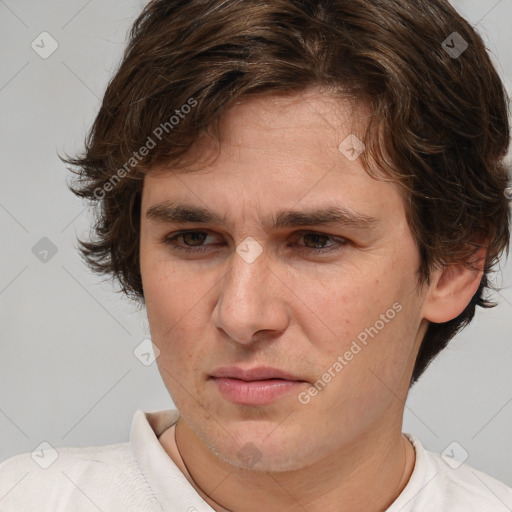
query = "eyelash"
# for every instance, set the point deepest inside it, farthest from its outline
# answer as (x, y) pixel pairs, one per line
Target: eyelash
(170, 241)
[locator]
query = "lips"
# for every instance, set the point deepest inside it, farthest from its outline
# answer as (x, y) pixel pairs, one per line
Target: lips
(259, 373)
(255, 386)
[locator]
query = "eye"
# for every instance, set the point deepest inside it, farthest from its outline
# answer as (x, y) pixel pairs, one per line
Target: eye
(320, 239)
(194, 237)
(193, 242)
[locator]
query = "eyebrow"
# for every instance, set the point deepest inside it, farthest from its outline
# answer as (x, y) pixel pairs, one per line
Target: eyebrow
(175, 213)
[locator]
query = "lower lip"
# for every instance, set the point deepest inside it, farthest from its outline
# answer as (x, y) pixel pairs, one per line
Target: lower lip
(256, 392)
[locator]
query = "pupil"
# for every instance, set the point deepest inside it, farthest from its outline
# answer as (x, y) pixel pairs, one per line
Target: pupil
(194, 235)
(316, 237)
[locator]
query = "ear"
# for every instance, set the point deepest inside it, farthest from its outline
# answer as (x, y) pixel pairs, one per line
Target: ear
(452, 288)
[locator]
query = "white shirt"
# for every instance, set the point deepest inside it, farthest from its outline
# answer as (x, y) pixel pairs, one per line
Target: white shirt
(139, 476)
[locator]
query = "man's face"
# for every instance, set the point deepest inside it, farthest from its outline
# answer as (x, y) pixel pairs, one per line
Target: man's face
(348, 319)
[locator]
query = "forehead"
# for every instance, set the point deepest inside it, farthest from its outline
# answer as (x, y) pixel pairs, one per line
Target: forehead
(312, 119)
(290, 125)
(273, 150)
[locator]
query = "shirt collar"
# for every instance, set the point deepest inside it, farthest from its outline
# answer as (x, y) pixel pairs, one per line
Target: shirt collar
(169, 484)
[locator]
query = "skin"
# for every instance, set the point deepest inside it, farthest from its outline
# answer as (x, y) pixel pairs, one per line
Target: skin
(297, 311)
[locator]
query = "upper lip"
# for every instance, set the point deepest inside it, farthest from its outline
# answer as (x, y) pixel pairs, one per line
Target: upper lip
(257, 373)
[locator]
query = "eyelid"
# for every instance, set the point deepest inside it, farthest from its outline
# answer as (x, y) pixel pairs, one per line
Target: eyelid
(339, 242)
(294, 234)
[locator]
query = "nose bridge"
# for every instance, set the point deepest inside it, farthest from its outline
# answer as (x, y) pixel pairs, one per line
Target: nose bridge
(245, 303)
(247, 281)
(249, 267)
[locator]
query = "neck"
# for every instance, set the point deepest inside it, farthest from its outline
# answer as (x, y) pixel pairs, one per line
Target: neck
(364, 477)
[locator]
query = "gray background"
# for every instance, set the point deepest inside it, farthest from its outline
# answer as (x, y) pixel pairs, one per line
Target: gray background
(68, 374)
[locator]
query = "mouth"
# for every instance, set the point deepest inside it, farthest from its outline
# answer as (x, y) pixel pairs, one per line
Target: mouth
(255, 386)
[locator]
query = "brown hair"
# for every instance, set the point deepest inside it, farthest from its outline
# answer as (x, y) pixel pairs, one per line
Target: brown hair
(440, 113)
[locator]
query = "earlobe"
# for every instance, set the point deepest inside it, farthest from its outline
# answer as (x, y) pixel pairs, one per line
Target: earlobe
(452, 288)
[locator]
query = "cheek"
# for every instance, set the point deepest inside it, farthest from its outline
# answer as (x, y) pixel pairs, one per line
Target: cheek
(335, 311)
(176, 331)
(361, 332)
(175, 304)
(168, 293)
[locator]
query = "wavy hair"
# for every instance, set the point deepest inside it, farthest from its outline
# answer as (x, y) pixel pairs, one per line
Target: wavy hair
(439, 124)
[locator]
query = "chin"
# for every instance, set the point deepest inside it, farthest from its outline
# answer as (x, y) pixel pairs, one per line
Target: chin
(258, 439)
(247, 449)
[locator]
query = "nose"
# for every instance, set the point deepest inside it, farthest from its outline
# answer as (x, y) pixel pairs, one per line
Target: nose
(251, 299)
